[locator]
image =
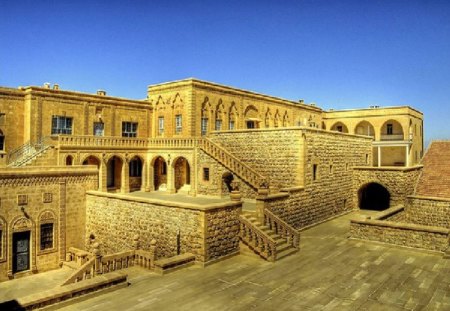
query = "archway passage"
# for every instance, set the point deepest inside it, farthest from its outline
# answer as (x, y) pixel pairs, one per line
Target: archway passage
(69, 160)
(114, 173)
(135, 174)
(227, 178)
(92, 160)
(182, 173)
(160, 173)
(373, 196)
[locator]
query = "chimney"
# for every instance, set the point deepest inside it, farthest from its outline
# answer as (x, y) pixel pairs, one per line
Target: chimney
(101, 92)
(56, 86)
(46, 85)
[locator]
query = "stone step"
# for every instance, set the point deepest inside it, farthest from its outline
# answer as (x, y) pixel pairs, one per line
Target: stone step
(166, 265)
(286, 252)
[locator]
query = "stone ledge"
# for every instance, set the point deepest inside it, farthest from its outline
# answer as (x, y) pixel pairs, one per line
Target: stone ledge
(71, 291)
(198, 207)
(425, 198)
(389, 212)
(58, 171)
(388, 168)
(401, 226)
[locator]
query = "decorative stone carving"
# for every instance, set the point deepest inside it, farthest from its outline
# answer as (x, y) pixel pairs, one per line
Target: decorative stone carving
(22, 199)
(47, 197)
(22, 223)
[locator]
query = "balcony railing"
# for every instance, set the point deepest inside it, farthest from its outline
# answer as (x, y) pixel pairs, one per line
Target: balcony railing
(392, 137)
(101, 141)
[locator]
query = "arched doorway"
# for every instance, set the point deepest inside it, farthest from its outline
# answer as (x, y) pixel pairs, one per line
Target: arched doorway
(92, 160)
(182, 173)
(114, 173)
(339, 127)
(135, 173)
(227, 178)
(160, 173)
(373, 196)
(69, 160)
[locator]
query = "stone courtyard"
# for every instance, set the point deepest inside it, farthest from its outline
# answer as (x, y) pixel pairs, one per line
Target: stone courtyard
(331, 272)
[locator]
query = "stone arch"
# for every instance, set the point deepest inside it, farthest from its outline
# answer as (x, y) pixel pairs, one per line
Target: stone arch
(226, 180)
(392, 130)
(268, 121)
(22, 232)
(233, 116)
(159, 165)
(365, 128)
(220, 115)
(69, 160)
(21, 223)
(373, 196)
(182, 174)
(339, 127)
(276, 119)
(114, 167)
(251, 117)
(286, 121)
(91, 160)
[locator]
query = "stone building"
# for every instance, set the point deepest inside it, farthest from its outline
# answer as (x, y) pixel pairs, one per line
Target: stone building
(87, 164)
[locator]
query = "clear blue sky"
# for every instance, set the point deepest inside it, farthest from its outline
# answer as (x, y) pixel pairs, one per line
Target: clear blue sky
(339, 54)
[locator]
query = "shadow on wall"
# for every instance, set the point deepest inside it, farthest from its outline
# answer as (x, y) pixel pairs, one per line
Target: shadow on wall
(373, 196)
(12, 305)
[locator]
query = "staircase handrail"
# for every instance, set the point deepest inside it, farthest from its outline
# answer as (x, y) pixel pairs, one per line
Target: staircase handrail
(233, 163)
(29, 150)
(253, 236)
(282, 228)
(82, 273)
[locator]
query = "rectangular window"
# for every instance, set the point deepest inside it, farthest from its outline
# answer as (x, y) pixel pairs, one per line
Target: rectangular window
(129, 129)
(314, 171)
(389, 129)
(61, 125)
(46, 236)
(99, 128)
(231, 124)
(204, 126)
(160, 125)
(218, 125)
(206, 173)
(178, 124)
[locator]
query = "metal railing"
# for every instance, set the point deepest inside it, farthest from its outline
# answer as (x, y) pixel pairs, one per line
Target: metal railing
(29, 150)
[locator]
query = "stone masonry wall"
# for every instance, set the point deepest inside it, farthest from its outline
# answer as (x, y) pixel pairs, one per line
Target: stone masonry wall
(430, 238)
(116, 219)
(30, 197)
(399, 182)
(274, 153)
(330, 192)
(428, 211)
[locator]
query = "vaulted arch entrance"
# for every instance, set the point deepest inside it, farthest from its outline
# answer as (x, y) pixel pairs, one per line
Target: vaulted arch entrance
(114, 173)
(373, 196)
(92, 160)
(160, 173)
(227, 178)
(182, 173)
(135, 173)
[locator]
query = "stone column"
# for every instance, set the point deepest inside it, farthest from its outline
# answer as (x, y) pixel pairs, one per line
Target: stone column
(144, 176)
(379, 156)
(407, 155)
(98, 258)
(170, 178)
(263, 192)
(102, 178)
(125, 178)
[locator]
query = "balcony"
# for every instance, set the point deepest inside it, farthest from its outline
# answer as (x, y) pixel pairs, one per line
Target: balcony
(392, 137)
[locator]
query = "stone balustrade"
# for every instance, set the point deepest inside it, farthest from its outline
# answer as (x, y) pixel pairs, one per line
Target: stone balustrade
(86, 271)
(255, 238)
(79, 256)
(70, 141)
(173, 142)
(282, 228)
(116, 261)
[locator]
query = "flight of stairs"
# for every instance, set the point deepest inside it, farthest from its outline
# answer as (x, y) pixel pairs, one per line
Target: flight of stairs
(283, 248)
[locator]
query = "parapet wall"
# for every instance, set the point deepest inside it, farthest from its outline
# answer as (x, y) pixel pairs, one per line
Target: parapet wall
(428, 211)
(209, 231)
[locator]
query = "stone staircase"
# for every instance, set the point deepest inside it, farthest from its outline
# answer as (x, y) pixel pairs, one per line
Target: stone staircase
(270, 241)
(434, 180)
(242, 170)
(40, 153)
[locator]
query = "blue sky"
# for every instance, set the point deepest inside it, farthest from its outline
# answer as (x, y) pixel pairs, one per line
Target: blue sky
(338, 54)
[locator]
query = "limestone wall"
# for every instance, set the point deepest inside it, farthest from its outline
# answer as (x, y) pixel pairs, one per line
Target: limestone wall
(428, 211)
(30, 197)
(410, 235)
(207, 232)
(277, 154)
(329, 192)
(399, 182)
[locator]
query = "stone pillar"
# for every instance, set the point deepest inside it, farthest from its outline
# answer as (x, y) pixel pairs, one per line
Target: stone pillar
(152, 253)
(144, 176)
(98, 258)
(407, 155)
(235, 194)
(170, 178)
(102, 178)
(263, 192)
(151, 178)
(125, 178)
(379, 156)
